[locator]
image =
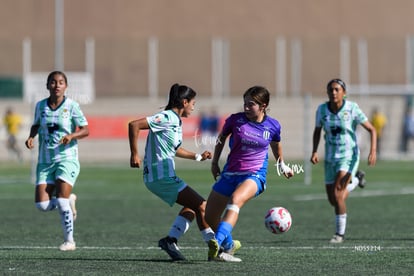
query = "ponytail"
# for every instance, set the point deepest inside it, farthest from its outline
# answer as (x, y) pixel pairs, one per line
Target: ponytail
(178, 93)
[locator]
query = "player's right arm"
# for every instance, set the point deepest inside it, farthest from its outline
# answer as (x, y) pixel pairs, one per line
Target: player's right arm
(215, 168)
(133, 132)
(33, 132)
(316, 138)
(278, 154)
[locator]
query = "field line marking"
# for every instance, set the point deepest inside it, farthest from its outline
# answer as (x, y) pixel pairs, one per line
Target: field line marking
(366, 193)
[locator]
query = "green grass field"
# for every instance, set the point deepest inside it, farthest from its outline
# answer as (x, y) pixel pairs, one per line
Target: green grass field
(120, 222)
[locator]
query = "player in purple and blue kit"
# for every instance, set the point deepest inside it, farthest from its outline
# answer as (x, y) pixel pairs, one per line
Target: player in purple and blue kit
(244, 174)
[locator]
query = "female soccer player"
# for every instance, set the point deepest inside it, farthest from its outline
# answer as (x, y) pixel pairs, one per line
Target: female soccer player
(59, 122)
(339, 118)
(163, 144)
(244, 174)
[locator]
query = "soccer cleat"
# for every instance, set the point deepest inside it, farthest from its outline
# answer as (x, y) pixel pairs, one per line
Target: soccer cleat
(72, 203)
(337, 239)
(361, 177)
(67, 246)
(169, 245)
(224, 257)
(235, 247)
(213, 249)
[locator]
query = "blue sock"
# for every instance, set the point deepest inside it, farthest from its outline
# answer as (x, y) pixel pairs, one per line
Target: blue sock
(223, 232)
(228, 242)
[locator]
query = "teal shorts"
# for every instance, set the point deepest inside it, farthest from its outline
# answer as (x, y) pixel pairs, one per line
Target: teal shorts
(67, 171)
(167, 188)
(332, 168)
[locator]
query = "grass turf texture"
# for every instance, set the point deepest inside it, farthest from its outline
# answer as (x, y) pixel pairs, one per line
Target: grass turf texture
(120, 222)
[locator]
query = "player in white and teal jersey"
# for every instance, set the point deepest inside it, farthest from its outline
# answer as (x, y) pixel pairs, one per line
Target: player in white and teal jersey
(54, 124)
(163, 144)
(339, 119)
(163, 140)
(59, 122)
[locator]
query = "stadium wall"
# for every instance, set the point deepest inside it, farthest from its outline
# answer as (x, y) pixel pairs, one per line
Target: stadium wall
(121, 30)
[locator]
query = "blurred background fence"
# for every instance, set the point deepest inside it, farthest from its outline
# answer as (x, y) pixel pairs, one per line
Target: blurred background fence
(217, 67)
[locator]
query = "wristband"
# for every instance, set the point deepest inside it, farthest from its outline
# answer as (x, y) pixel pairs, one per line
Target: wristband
(283, 167)
(198, 157)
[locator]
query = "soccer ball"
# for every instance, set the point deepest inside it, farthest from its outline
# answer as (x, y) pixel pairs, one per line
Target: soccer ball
(278, 220)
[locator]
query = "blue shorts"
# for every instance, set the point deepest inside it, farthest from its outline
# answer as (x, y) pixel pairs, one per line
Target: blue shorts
(228, 183)
(67, 171)
(332, 169)
(167, 188)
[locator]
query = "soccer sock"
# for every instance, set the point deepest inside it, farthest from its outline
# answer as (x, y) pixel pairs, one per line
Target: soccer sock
(228, 242)
(351, 186)
(207, 234)
(48, 205)
(66, 217)
(223, 231)
(340, 224)
(179, 227)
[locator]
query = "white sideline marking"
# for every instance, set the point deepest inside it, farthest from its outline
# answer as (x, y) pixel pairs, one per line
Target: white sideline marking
(366, 193)
(121, 248)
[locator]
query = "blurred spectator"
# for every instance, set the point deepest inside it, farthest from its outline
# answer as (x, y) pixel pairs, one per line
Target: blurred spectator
(209, 126)
(13, 123)
(379, 121)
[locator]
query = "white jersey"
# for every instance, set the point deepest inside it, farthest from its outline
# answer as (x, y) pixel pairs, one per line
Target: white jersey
(164, 138)
(54, 124)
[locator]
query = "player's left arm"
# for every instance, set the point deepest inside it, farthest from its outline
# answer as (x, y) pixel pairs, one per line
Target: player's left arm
(372, 157)
(79, 120)
(278, 154)
(81, 132)
(186, 154)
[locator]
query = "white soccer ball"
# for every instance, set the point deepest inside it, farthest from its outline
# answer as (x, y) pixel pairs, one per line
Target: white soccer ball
(278, 220)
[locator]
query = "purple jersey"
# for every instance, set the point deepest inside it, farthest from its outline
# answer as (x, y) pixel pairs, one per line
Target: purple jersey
(249, 142)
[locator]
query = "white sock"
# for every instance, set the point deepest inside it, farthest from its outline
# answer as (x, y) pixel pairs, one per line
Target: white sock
(48, 205)
(179, 227)
(66, 218)
(207, 234)
(351, 186)
(340, 224)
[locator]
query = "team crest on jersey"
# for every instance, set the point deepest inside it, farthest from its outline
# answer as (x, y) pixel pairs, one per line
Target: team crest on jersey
(346, 116)
(158, 119)
(266, 135)
(65, 113)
